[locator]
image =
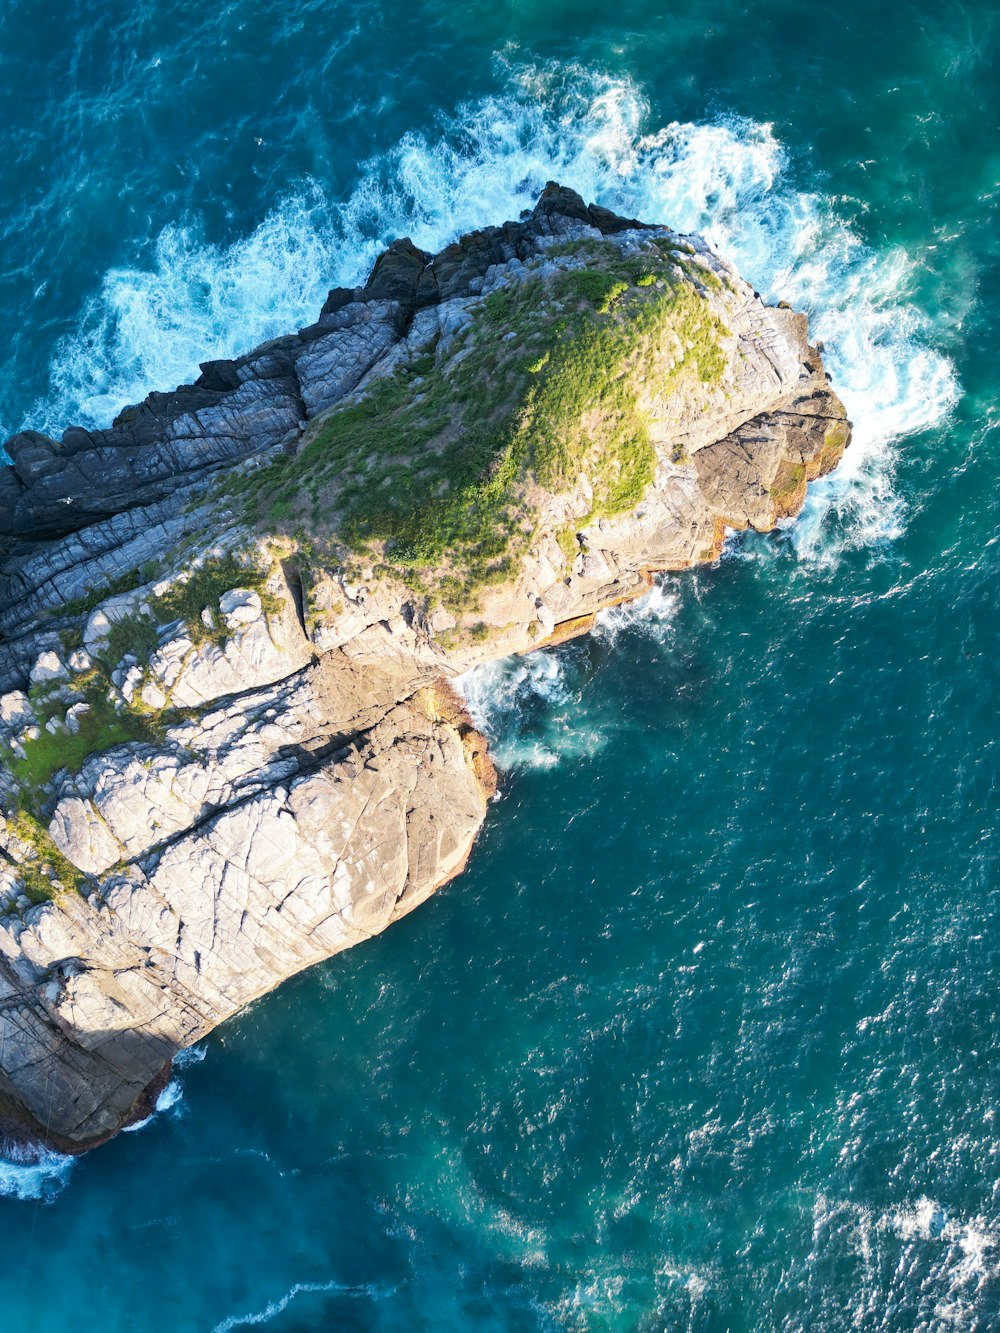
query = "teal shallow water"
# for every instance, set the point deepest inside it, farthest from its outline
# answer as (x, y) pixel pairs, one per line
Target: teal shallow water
(707, 1036)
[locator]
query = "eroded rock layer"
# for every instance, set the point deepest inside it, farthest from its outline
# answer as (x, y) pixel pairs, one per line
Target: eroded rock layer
(228, 748)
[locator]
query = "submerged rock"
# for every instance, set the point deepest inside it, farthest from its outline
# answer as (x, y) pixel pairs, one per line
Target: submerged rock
(228, 748)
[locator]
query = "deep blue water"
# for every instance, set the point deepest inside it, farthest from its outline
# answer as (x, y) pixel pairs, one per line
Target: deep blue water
(706, 1037)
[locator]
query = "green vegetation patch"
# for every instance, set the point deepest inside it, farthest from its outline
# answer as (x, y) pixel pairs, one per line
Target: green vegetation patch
(186, 601)
(104, 726)
(100, 728)
(431, 474)
(133, 635)
(82, 606)
(790, 479)
(568, 544)
(47, 872)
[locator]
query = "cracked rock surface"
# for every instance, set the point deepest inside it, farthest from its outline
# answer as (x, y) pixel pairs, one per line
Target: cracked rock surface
(210, 778)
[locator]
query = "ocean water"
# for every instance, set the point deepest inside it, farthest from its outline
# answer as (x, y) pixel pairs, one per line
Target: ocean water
(706, 1037)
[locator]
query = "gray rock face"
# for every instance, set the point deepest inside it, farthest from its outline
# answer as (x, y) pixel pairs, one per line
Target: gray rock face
(220, 762)
(99, 993)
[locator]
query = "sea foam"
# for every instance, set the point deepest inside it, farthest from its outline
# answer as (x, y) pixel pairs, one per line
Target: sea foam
(36, 1173)
(278, 1307)
(170, 1102)
(653, 613)
(33, 1174)
(524, 705)
(918, 1263)
(149, 324)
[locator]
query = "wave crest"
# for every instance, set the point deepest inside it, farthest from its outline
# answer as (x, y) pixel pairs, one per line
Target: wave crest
(35, 1174)
(149, 325)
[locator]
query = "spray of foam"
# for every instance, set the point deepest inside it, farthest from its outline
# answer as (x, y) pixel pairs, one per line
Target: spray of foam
(148, 328)
(42, 1175)
(33, 1175)
(653, 614)
(949, 1261)
(520, 704)
(150, 325)
(171, 1100)
(277, 1307)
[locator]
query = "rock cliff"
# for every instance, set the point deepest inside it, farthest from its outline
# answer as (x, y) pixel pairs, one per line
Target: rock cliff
(228, 745)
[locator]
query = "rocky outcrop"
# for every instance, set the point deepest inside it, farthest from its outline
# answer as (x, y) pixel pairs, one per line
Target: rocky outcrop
(228, 745)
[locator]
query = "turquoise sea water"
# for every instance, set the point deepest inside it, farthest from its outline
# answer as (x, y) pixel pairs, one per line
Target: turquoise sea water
(707, 1035)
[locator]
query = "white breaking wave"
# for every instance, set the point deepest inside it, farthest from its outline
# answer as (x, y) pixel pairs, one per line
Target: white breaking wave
(502, 698)
(149, 325)
(171, 1099)
(35, 1174)
(654, 613)
(39, 1174)
(191, 1055)
(277, 1307)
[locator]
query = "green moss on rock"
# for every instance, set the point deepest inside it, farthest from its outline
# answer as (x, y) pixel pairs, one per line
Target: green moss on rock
(100, 728)
(436, 473)
(46, 873)
(107, 723)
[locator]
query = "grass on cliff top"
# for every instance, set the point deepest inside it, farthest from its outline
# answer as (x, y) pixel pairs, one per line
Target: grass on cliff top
(99, 729)
(187, 601)
(47, 872)
(182, 601)
(430, 474)
(135, 636)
